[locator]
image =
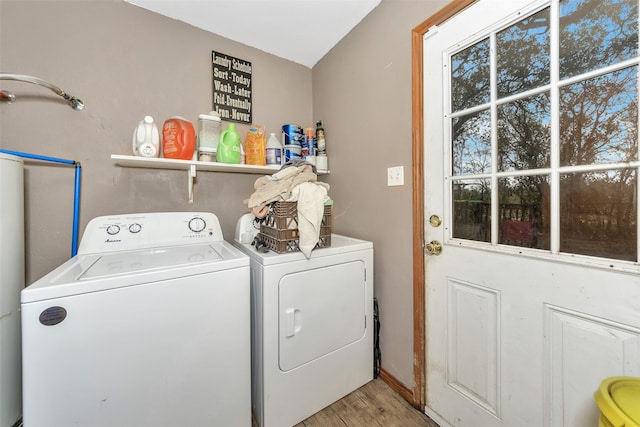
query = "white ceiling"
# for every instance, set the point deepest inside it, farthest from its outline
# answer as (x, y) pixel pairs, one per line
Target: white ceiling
(301, 31)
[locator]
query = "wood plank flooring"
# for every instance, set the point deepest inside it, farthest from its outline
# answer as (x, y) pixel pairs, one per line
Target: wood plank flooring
(373, 405)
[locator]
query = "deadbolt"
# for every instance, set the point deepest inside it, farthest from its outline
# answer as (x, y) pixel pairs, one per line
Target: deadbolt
(434, 247)
(435, 221)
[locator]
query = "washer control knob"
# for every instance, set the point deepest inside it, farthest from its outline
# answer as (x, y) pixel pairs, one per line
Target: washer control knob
(197, 224)
(135, 228)
(113, 229)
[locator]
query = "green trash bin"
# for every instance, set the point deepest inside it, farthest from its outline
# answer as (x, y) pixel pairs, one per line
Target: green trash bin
(618, 399)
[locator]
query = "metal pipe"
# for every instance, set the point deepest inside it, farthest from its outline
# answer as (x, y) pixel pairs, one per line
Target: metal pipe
(75, 103)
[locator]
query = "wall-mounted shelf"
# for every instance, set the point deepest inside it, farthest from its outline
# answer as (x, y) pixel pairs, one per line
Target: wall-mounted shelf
(161, 163)
(192, 166)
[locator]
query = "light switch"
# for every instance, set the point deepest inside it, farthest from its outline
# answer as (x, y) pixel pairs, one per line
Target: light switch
(395, 176)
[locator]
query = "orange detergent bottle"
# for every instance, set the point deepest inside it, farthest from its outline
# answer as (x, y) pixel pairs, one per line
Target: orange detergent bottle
(178, 138)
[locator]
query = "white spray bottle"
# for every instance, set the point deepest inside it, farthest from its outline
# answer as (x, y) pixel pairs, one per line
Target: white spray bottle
(146, 139)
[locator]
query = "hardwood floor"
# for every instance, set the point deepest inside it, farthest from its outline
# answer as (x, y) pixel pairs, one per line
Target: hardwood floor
(373, 405)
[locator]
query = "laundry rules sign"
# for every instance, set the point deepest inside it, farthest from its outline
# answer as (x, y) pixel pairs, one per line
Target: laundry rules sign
(231, 87)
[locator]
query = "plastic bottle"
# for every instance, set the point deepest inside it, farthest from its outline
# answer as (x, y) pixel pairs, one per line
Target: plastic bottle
(321, 162)
(178, 138)
(309, 138)
(146, 139)
(255, 145)
(320, 137)
(229, 150)
(274, 150)
(208, 136)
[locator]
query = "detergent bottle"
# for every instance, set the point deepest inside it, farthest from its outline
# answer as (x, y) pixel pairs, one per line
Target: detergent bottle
(229, 146)
(146, 139)
(178, 138)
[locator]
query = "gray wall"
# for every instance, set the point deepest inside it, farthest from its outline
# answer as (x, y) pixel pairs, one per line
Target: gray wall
(125, 62)
(362, 91)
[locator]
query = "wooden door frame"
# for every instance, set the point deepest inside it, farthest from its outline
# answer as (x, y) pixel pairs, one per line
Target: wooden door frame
(417, 168)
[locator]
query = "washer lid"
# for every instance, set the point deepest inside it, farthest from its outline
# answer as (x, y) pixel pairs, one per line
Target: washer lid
(119, 263)
(98, 272)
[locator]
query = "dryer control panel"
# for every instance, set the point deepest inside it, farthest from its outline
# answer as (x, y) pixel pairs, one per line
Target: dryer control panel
(146, 230)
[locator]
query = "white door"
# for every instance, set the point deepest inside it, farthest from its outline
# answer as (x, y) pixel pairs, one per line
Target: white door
(531, 163)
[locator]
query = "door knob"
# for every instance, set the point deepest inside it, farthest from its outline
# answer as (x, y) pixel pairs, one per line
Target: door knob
(434, 247)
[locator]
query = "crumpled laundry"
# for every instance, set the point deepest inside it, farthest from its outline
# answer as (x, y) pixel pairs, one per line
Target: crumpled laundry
(278, 187)
(311, 199)
(294, 183)
(299, 161)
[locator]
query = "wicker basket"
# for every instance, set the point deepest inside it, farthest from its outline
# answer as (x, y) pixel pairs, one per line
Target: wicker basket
(279, 230)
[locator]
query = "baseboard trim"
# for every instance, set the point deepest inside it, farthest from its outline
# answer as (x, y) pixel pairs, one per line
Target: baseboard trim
(397, 386)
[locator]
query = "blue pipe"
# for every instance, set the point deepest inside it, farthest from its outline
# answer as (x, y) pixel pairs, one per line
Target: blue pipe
(76, 190)
(76, 210)
(39, 157)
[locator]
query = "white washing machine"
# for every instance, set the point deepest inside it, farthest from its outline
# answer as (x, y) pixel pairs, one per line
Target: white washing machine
(312, 328)
(149, 325)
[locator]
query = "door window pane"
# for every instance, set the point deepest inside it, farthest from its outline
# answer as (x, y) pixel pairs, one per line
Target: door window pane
(472, 143)
(524, 211)
(470, 84)
(547, 145)
(472, 209)
(598, 119)
(598, 214)
(596, 33)
(522, 54)
(524, 133)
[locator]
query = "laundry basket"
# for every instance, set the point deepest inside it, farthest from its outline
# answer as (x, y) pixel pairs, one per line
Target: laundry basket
(279, 231)
(618, 399)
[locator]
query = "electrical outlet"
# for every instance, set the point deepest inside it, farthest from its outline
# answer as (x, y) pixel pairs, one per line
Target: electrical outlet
(395, 176)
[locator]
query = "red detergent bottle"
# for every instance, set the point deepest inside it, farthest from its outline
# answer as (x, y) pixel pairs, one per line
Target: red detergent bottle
(178, 138)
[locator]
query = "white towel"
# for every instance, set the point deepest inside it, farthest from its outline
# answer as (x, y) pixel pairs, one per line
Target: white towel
(310, 197)
(278, 187)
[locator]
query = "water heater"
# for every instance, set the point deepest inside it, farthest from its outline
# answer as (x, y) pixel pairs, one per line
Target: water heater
(11, 283)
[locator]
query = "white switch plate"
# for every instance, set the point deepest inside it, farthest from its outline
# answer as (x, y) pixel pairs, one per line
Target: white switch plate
(395, 176)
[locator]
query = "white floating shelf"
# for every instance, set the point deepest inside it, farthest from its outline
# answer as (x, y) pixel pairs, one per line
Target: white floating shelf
(161, 163)
(192, 166)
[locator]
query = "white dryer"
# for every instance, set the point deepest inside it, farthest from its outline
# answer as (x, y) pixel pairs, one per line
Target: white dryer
(149, 325)
(312, 328)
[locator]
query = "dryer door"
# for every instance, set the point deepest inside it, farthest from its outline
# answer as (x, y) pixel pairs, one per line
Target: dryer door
(320, 311)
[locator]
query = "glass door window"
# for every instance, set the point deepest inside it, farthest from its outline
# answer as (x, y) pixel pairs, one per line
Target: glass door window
(543, 131)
